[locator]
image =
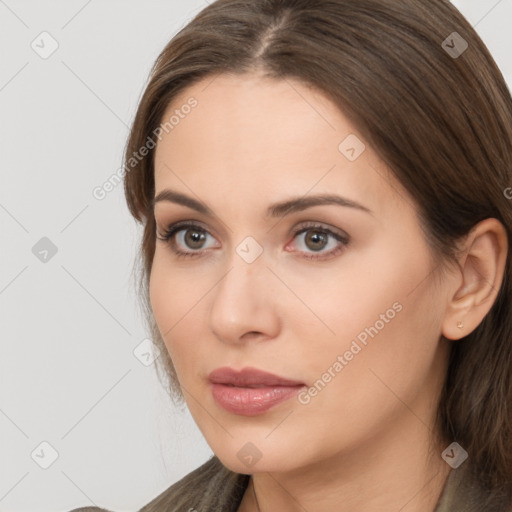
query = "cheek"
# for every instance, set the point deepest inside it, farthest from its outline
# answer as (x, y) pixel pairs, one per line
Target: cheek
(172, 291)
(176, 304)
(163, 291)
(160, 295)
(382, 352)
(359, 300)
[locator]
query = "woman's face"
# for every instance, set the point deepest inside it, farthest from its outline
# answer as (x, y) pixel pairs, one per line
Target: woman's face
(337, 298)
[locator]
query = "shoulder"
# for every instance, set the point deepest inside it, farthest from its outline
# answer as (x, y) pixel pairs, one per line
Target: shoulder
(464, 491)
(211, 486)
(89, 509)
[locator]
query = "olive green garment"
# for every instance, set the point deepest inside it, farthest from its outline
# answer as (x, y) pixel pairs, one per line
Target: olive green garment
(214, 488)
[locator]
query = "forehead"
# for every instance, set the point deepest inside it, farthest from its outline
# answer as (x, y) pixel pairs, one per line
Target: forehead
(258, 135)
(251, 110)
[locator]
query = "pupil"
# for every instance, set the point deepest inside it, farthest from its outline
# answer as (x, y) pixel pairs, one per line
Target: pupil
(315, 239)
(195, 237)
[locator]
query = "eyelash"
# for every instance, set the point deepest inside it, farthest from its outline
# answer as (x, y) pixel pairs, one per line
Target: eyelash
(167, 237)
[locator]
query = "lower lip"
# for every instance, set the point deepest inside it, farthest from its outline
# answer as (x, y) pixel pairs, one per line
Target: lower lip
(251, 401)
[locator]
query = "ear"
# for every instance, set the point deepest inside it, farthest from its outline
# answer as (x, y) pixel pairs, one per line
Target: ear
(482, 266)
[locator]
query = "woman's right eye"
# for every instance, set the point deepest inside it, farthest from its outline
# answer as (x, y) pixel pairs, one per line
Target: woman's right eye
(185, 235)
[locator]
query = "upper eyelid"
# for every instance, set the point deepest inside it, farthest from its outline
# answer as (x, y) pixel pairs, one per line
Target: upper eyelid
(305, 224)
(183, 224)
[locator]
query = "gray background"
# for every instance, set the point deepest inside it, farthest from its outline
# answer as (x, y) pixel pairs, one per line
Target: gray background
(70, 324)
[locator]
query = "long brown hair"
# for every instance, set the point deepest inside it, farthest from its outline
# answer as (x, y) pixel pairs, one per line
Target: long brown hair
(422, 88)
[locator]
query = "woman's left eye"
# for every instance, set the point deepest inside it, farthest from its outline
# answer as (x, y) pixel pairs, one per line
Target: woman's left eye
(193, 236)
(317, 238)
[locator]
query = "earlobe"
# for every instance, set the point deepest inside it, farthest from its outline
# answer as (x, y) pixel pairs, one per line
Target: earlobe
(482, 266)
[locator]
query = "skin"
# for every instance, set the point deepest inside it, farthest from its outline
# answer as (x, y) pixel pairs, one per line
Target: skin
(366, 442)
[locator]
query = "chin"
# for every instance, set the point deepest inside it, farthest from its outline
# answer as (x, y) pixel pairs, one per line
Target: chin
(242, 455)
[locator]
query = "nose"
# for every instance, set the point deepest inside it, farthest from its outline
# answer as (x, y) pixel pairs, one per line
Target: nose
(245, 303)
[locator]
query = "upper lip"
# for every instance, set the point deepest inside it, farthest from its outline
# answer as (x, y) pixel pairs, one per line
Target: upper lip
(248, 377)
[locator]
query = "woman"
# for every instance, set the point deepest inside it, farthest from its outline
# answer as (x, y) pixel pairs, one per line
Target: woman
(325, 193)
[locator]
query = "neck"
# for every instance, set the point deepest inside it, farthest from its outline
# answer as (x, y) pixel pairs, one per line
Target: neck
(395, 471)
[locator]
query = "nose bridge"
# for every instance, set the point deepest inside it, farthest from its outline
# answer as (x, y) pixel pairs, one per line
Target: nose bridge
(247, 263)
(242, 300)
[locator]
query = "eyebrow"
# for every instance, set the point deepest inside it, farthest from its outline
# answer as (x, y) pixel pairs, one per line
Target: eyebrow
(280, 209)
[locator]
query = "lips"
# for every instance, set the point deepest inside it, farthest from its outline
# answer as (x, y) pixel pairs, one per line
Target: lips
(249, 378)
(250, 392)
